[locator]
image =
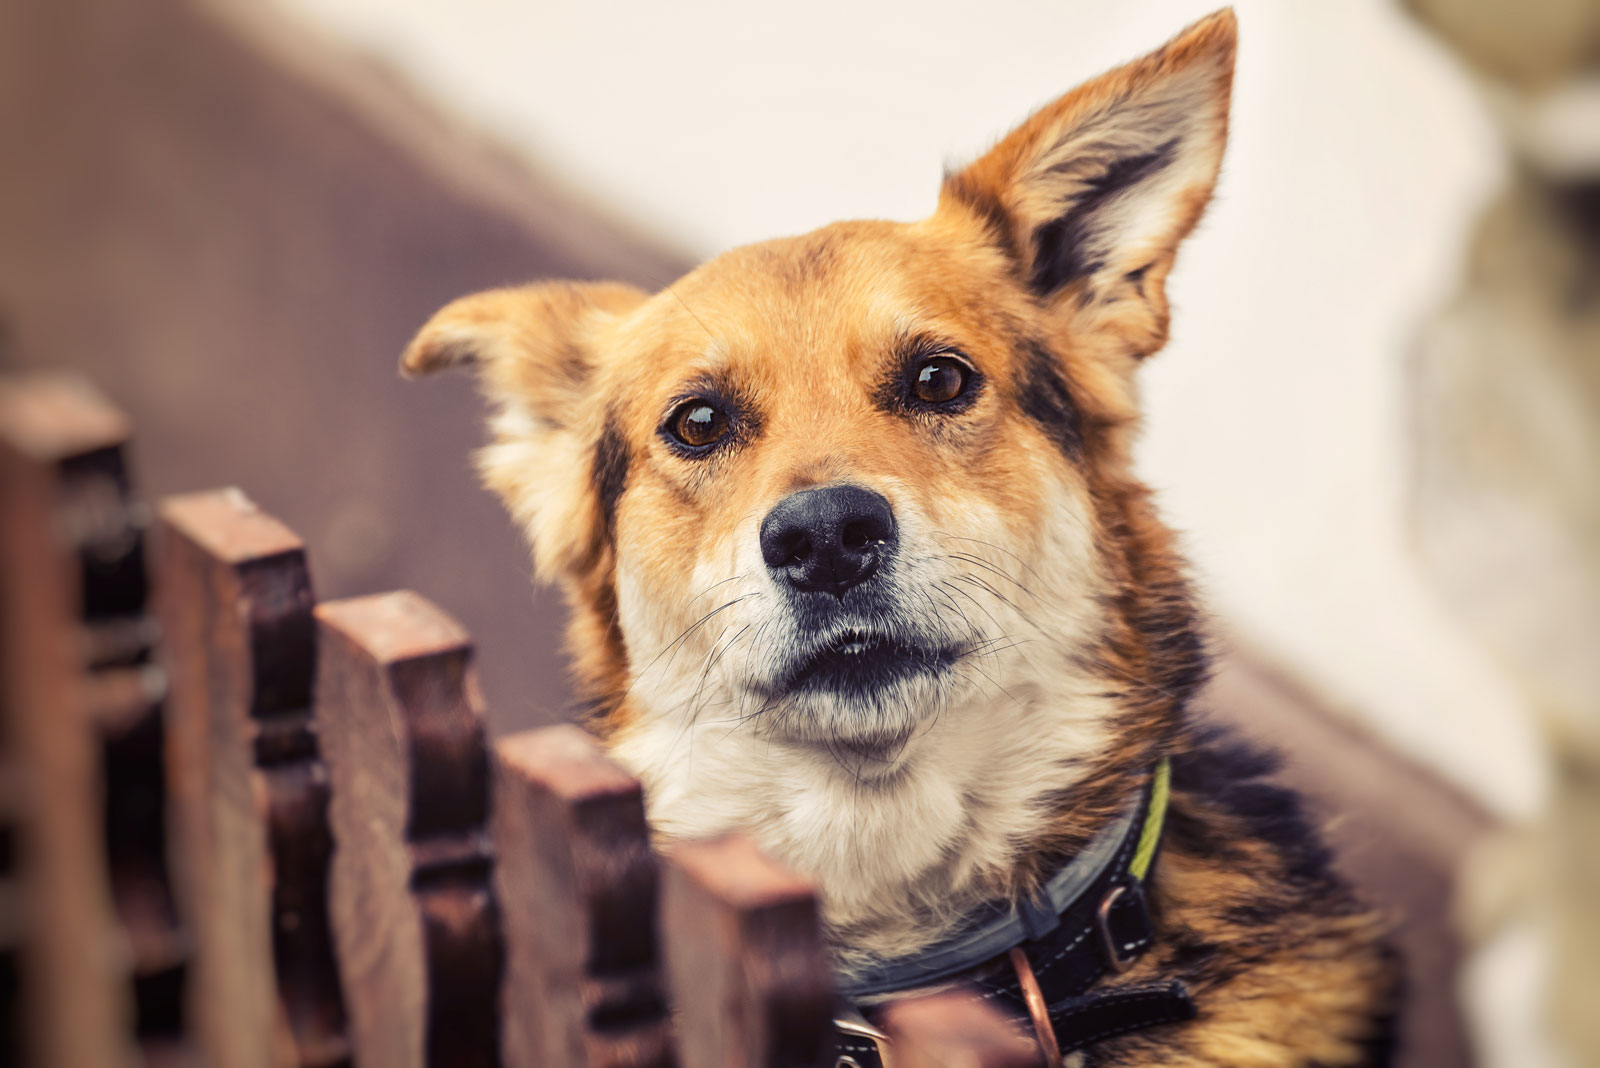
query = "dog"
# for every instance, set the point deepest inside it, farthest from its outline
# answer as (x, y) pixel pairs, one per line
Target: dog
(857, 564)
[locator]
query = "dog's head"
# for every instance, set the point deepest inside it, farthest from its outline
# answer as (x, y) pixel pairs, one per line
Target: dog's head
(826, 490)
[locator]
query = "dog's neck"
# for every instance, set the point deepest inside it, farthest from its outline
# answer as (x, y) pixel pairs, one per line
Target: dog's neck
(900, 858)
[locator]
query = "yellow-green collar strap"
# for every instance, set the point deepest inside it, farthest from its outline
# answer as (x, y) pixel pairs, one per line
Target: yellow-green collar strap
(1155, 816)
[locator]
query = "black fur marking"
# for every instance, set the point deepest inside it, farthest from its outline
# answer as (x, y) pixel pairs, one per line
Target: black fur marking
(1044, 397)
(610, 474)
(1063, 248)
(1189, 955)
(1135, 278)
(1196, 836)
(1232, 776)
(1381, 1048)
(987, 207)
(1262, 913)
(1202, 964)
(1173, 640)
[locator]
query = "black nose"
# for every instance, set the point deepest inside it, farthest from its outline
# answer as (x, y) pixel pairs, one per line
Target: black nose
(827, 539)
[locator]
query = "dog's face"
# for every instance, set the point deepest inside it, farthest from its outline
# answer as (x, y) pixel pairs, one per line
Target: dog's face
(845, 489)
(829, 491)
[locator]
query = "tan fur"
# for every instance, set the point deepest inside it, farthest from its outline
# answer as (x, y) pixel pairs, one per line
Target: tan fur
(806, 331)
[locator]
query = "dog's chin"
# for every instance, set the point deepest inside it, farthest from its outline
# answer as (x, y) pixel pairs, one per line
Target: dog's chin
(866, 746)
(861, 698)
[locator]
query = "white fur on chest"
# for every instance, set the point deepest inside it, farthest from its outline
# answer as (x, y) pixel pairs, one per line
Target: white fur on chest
(897, 859)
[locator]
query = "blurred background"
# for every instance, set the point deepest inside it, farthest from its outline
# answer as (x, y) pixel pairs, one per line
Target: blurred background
(1376, 425)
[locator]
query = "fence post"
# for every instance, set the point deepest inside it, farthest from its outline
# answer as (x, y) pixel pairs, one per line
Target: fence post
(249, 794)
(101, 960)
(401, 725)
(954, 1029)
(10, 893)
(747, 970)
(576, 882)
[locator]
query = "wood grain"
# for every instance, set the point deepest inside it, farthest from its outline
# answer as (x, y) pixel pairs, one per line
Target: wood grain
(576, 882)
(249, 793)
(401, 724)
(10, 904)
(100, 962)
(745, 961)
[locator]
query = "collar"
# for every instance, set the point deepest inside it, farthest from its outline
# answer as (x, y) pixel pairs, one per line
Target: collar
(1090, 919)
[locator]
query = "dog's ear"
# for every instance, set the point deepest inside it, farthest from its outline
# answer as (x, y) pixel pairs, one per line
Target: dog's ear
(553, 457)
(533, 341)
(1092, 194)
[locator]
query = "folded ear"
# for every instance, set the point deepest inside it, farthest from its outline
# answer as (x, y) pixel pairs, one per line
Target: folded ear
(529, 344)
(1093, 193)
(536, 350)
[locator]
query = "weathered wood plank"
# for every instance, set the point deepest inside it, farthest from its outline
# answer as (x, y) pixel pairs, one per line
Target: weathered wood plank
(10, 902)
(750, 980)
(401, 725)
(249, 794)
(953, 1029)
(576, 882)
(74, 1007)
(101, 962)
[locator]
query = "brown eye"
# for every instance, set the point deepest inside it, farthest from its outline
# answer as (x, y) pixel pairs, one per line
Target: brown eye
(698, 424)
(940, 379)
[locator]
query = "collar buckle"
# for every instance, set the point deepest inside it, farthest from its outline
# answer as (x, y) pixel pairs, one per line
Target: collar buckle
(1123, 923)
(849, 1021)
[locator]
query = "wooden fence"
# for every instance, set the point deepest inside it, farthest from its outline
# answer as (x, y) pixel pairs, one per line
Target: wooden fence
(242, 828)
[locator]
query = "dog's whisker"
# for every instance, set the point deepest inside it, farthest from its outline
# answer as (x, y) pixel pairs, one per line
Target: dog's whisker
(991, 545)
(974, 600)
(718, 648)
(715, 585)
(991, 568)
(997, 595)
(670, 651)
(966, 622)
(685, 634)
(748, 652)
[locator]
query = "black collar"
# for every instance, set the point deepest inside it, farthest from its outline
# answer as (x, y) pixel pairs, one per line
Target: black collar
(1090, 920)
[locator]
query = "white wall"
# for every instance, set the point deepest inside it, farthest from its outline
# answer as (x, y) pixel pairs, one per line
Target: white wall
(1358, 156)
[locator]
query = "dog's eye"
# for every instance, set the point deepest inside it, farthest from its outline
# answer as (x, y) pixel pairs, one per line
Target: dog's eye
(697, 424)
(940, 379)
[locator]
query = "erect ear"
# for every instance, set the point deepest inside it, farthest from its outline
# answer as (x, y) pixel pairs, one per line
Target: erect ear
(550, 457)
(1093, 193)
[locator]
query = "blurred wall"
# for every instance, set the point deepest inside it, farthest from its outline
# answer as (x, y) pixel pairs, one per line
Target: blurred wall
(234, 235)
(1276, 432)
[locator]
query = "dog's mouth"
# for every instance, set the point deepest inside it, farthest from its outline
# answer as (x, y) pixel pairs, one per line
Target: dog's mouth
(861, 664)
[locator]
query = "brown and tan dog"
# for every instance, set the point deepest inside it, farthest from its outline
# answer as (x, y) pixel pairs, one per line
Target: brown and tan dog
(857, 563)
